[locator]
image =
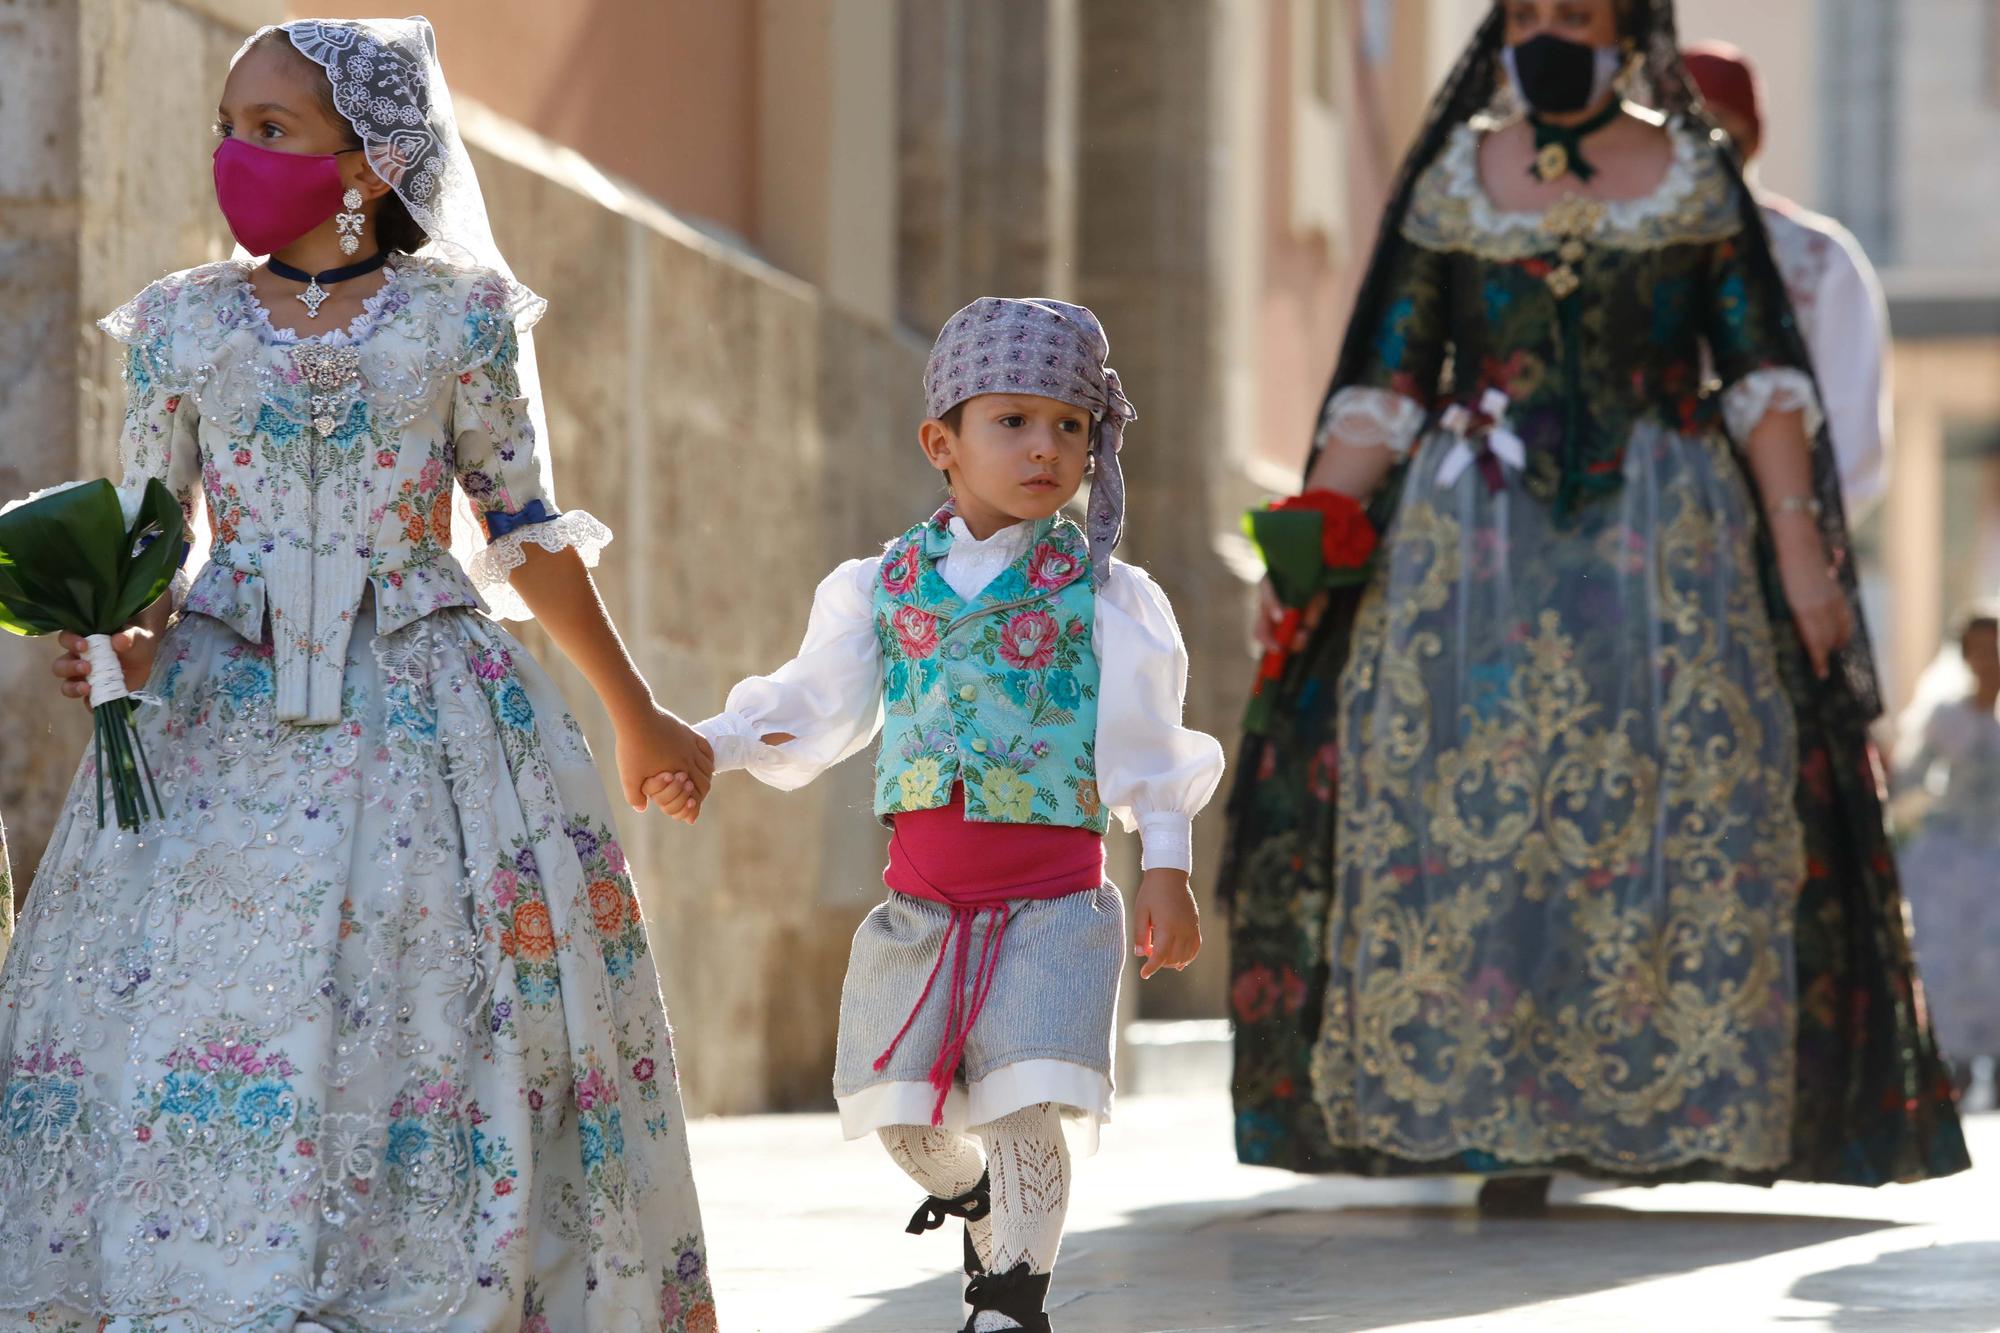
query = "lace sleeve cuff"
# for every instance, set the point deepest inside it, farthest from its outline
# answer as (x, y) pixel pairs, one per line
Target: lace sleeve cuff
(1363, 416)
(735, 745)
(1166, 841)
(500, 557)
(1774, 389)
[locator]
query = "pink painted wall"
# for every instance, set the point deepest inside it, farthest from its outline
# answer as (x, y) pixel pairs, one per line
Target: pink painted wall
(1309, 282)
(661, 93)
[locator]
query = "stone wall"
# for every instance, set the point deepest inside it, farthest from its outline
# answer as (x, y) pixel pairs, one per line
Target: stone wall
(105, 108)
(1153, 263)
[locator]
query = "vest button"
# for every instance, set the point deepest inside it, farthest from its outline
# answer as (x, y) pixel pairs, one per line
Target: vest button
(968, 692)
(979, 745)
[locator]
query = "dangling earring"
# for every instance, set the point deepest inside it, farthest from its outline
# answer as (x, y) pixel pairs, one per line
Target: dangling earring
(1631, 84)
(349, 223)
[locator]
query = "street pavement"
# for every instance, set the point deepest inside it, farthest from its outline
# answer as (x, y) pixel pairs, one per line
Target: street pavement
(1168, 1234)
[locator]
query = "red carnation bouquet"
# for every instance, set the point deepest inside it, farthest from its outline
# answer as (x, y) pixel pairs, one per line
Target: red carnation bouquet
(1310, 543)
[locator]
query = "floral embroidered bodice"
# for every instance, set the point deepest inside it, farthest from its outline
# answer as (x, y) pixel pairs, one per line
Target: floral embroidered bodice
(327, 464)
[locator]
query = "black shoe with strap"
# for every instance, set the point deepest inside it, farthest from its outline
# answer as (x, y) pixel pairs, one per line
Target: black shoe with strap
(973, 1205)
(1018, 1294)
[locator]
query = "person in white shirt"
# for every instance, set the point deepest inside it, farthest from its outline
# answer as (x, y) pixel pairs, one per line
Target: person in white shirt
(1833, 287)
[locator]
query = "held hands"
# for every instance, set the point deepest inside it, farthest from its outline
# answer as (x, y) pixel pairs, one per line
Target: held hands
(1166, 929)
(674, 794)
(1819, 607)
(135, 645)
(655, 747)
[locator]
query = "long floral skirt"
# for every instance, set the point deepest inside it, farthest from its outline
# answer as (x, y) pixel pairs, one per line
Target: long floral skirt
(1555, 859)
(364, 1031)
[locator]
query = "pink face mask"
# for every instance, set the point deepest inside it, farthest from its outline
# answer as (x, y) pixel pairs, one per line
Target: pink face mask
(269, 198)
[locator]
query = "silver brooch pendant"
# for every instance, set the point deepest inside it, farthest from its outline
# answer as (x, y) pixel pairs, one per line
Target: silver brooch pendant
(328, 372)
(311, 298)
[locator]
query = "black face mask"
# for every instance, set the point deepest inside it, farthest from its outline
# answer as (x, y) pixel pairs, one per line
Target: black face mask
(1557, 75)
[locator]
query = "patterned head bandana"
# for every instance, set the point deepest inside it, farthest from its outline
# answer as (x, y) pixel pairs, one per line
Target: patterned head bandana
(1050, 349)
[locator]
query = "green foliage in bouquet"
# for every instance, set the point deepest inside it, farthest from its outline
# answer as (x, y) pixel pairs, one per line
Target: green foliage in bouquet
(1311, 543)
(70, 559)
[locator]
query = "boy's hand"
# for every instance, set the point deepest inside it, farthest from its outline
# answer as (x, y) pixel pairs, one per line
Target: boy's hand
(654, 742)
(1166, 929)
(673, 795)
(135, 645)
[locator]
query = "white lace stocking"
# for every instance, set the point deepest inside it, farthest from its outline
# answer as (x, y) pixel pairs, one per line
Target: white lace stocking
(943, 1163)
(1029, 1161)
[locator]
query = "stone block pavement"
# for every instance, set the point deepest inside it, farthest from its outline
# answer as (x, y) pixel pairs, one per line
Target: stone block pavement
(1170, 1235)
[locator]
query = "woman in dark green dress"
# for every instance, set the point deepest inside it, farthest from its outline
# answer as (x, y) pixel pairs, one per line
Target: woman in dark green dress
(1565, 851)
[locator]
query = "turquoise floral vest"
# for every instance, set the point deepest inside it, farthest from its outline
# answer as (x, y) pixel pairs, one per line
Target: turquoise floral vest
(1001, 693)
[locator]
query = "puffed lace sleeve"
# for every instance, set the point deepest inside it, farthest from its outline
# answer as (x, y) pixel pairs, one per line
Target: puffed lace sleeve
(1153, 772)
(158, 440)
(1747, 336)
(1361, 416)
(829, 697)
(503, 464)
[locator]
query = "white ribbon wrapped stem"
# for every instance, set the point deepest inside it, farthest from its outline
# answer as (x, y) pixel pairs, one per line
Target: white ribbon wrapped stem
(107, 674)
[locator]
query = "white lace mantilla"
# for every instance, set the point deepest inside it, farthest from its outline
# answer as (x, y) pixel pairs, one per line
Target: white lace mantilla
(491, 567)
(1777, 389)
(1361, 416)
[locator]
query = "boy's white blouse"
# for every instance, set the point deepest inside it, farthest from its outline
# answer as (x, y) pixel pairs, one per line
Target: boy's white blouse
(1154, 773)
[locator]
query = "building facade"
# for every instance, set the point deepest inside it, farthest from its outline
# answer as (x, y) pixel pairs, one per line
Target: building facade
(1885, 116)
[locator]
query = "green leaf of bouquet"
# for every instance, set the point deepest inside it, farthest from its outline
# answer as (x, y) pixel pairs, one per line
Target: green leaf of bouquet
(89, 515)
(41, 597)
(1290, 542)
(64, 548)
(145, 575)
(20, 613)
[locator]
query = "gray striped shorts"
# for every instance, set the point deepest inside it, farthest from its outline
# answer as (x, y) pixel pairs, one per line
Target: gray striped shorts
(1054, 994)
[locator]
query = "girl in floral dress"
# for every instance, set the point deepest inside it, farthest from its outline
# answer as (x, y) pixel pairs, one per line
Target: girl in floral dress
(363, 1033)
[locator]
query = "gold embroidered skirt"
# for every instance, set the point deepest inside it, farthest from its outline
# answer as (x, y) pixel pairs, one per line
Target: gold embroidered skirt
(1568, 851)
